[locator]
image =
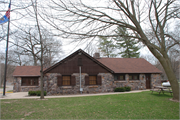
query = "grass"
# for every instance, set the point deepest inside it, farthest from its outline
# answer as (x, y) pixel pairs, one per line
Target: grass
(2, 87)
(142, 105)
(10, 91)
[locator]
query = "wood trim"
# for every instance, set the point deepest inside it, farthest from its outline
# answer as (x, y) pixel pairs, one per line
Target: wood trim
(59, 80)
(86, 80)
(73, 80)
(75, 53)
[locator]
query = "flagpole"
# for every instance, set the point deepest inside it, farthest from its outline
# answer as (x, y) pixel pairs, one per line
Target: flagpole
(7, 42)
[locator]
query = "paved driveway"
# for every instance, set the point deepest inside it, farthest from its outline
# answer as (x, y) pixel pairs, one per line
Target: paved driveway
(8, 88)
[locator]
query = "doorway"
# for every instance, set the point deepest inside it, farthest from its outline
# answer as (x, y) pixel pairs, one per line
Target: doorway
(148, 81)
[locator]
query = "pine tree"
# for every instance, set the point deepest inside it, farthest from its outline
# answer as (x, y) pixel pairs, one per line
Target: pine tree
(126, 44)
(107, 47)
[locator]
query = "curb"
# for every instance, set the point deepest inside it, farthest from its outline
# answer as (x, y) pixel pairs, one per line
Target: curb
(6, 92)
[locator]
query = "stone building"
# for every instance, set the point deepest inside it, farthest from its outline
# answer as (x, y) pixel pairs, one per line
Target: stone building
(81, 73)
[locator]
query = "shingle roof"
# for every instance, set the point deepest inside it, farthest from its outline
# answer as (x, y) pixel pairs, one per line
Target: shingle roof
(129, 65)
(27, 71)
(113, 65)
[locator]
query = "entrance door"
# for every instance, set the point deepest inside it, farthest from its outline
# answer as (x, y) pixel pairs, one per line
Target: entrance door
(148, 81)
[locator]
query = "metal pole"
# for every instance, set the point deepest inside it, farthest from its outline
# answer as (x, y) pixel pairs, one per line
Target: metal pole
(80, 78)
(5, 71)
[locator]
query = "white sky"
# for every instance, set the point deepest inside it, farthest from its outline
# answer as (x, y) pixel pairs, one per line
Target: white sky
(67, 47)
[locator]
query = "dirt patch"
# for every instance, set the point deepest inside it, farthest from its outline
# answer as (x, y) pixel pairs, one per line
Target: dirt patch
(174, 100)
(10, 101)
(27, 114)
(6, 102)
(41, 99)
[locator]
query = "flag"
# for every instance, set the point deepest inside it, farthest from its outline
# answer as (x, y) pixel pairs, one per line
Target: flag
(6, 17)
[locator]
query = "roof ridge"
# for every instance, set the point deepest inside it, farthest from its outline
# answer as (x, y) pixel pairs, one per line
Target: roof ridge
(76, 52)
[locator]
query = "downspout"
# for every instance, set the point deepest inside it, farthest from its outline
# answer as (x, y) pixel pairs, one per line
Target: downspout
(80, 79)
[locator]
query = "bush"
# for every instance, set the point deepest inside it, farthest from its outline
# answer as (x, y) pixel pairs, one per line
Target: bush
(116, 90)
(127, 88)
(36, 93)
(120, 89)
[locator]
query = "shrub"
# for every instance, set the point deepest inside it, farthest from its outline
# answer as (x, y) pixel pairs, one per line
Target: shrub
(127, 88)
(119, 89)
(36, 93)
(116, 90)
(122, 89)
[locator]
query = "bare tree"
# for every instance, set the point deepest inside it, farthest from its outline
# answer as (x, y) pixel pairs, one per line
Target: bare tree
(10, 69)
(27, 44)
(34, 4)
(147, 20)
(91, 48)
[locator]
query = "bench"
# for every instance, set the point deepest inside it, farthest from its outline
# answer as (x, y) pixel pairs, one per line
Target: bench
(160, 89)
(155, 90)
(169, 91)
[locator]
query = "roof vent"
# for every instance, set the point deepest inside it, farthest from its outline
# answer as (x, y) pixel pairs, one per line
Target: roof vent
(96, 55)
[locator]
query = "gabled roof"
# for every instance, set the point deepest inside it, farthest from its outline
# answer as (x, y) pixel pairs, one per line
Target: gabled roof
(113, 65)
(28, 71)
(75, 53)
(129, 65)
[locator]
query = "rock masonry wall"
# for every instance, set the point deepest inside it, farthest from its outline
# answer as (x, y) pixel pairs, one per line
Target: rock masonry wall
(18, 88)
(108, 84)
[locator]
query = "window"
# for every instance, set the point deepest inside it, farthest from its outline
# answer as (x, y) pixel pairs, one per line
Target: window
(92, 80)
(133, 76)
(66, 80)
(29, 81)
(119, 77)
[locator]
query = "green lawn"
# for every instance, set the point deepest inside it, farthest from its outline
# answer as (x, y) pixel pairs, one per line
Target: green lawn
(142, 105)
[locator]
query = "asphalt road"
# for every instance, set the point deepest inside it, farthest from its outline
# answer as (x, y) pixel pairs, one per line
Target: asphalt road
(9, 87)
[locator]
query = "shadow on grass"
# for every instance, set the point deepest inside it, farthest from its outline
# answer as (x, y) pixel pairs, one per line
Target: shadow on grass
(162, 95)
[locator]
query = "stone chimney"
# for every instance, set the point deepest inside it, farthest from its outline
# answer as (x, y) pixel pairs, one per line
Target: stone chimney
(96, 55)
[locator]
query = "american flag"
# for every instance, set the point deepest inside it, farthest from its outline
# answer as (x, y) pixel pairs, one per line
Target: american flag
(6, 17)
(8, 12)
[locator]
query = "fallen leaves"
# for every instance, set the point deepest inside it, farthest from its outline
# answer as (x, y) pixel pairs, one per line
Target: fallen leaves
(27, 114)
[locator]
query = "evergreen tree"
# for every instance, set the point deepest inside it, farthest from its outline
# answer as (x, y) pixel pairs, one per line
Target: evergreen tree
(107, 47)
(126, 44)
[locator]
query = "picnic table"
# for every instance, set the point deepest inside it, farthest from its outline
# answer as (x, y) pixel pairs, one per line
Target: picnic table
(161, 89)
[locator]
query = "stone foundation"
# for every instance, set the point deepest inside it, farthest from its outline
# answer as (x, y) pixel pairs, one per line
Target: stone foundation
(18, 88)
(134, 84)
(155, 80)
(108, 84)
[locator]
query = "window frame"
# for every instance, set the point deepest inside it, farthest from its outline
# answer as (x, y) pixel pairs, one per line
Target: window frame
(117, 77)
(93, 80)
(66, 80)
(133, 76)
(29, 80)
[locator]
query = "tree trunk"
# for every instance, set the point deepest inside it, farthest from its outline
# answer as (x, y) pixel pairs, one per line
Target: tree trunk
(41, 42)
(35, 60)
(171, 77)
(165, 62)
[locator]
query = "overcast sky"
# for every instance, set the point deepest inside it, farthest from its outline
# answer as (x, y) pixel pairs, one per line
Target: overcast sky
(67, 47)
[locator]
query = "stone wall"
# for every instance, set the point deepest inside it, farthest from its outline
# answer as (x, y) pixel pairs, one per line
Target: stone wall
(108, 84)
(18, 88)
(52, 88)
(134, 84)
(155, 80)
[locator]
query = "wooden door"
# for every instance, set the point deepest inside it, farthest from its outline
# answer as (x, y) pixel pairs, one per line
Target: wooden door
(148, 81)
